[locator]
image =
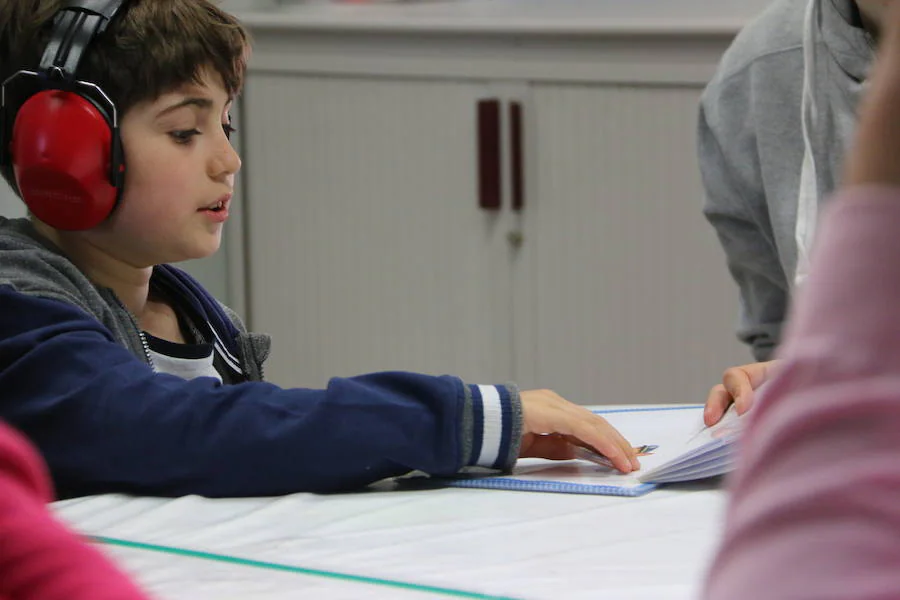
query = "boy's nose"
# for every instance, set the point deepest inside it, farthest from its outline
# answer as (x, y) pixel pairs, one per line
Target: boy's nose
(226, 162)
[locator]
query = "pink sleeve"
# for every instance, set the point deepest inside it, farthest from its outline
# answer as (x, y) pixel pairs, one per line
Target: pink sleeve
(39, 558)
(814, 509)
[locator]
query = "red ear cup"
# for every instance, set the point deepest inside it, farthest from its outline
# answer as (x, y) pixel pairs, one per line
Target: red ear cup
(60, 148)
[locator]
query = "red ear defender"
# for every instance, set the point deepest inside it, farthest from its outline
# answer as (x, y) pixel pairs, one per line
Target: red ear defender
(61, 150)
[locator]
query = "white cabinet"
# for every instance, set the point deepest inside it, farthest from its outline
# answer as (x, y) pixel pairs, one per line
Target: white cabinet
(367, 248)
(631, 301)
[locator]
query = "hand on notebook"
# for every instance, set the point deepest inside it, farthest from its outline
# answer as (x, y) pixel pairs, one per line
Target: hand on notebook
(546, 412)
(738, 386)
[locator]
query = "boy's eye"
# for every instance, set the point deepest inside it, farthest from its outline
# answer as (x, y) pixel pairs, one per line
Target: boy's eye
(184, 136)
(228, 129)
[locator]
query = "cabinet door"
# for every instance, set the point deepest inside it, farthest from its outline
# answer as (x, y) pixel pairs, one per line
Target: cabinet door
(623, 286)
(367, 248)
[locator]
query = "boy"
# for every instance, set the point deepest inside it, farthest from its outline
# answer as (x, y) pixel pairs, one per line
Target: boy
(127, 375)
(774, 124)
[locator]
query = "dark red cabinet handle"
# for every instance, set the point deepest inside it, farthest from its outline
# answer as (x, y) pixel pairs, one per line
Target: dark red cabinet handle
(517, 171)
(490, 188)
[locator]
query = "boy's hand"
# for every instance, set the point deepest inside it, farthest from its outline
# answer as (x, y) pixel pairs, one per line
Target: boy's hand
(546, 412)
(738, 386)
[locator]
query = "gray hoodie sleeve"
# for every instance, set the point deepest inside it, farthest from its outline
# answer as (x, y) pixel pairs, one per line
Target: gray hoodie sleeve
(735, 205)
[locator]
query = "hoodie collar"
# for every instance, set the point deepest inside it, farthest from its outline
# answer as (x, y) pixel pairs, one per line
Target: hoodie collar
(851, 46)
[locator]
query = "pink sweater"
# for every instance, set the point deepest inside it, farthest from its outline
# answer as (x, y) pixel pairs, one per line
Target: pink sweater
(39, 558)
(814, 511)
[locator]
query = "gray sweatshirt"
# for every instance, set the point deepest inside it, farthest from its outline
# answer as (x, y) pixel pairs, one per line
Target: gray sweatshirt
(773, 127)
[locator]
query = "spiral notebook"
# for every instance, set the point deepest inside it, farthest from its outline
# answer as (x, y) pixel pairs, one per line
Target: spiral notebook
(677, 447)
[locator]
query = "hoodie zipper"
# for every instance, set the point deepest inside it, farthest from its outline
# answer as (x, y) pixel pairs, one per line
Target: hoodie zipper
(145, 345)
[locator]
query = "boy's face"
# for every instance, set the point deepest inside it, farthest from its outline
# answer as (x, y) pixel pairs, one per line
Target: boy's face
(180, 169)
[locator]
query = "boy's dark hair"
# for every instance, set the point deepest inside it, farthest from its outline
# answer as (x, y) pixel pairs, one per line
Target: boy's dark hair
(152, 47)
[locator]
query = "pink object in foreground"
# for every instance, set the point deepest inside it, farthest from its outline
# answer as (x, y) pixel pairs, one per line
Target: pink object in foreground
(39, 558)
(815, 505)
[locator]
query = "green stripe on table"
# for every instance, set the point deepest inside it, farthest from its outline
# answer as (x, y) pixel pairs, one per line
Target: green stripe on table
(258, 564)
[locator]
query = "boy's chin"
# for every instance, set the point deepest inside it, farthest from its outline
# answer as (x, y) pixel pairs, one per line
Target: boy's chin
(197, 251)
(203, 252)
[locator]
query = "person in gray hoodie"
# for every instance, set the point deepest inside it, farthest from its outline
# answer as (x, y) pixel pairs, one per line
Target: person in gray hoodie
(774, 125)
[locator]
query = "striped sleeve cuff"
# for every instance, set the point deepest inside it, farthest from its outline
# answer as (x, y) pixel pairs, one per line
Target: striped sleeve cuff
(496, 426)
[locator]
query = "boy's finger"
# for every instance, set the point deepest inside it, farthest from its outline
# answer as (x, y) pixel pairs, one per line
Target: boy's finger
(738, 383)
(608, 442)
(745, 402)
(608, 431)
(626, 446)
(717, 403)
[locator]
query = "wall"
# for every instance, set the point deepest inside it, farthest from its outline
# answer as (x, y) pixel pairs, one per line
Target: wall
(10, 205)
(736, 8)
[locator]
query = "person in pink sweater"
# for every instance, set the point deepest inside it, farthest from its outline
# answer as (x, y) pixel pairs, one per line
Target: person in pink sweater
(814, 511)
(39, 558)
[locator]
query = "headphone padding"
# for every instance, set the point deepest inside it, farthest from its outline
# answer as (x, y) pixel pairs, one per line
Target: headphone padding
(60, 152)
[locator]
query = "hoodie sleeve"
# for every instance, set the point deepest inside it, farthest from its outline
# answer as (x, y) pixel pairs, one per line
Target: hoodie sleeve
(105, 422)
(729, 166)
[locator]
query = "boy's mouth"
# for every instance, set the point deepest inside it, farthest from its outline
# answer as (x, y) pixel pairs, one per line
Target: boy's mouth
(219, 205)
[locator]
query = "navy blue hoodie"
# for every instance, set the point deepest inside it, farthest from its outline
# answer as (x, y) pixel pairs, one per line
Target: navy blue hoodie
(76, 377)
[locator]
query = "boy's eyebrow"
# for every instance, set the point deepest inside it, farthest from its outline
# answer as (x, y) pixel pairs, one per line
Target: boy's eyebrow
(203, 103)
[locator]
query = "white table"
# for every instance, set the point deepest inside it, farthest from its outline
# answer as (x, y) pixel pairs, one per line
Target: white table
(397, 543)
